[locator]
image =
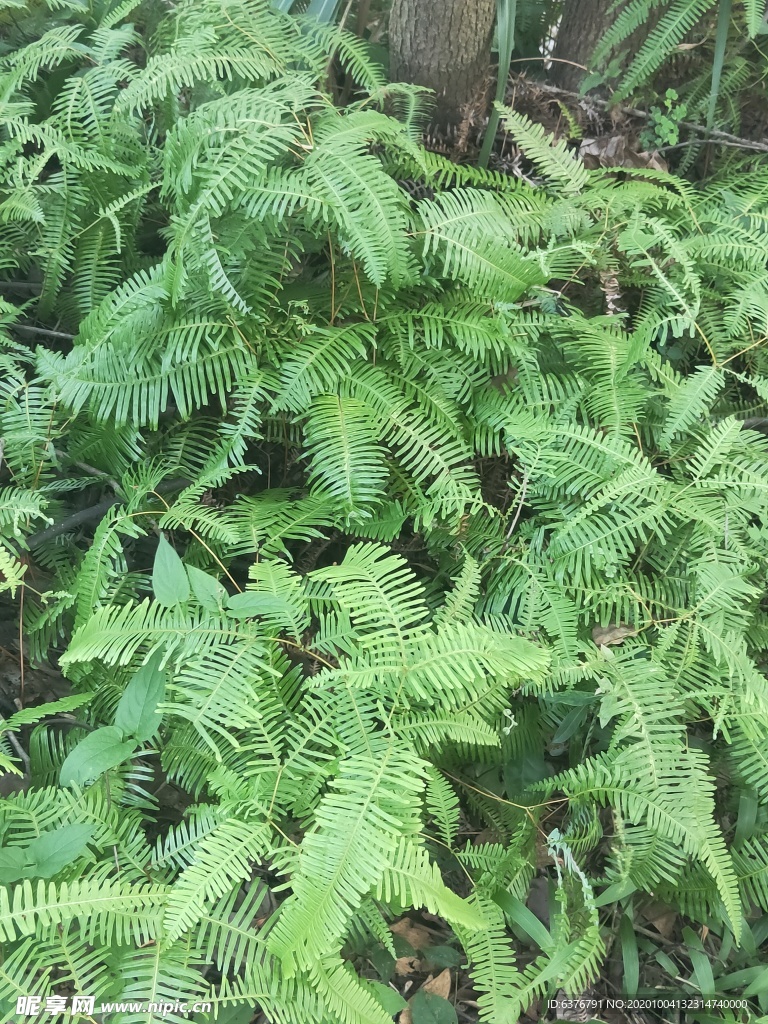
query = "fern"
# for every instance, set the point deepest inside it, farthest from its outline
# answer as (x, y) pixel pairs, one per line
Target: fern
(357, 529)
(552, 158)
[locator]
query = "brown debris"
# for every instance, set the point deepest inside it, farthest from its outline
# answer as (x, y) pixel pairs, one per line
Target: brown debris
(615, 151)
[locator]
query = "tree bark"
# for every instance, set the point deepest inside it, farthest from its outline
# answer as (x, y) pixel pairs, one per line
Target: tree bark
(445, 45)
(582, 26)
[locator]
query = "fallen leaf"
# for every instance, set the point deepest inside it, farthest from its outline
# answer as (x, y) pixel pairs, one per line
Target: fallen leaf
(415, 935)
(575, 1006)
(613, 151)
(605, 636)
(538, 899)
(543, 856)
(488, 835)
(662, 918)
(439, 986)
(407, 965)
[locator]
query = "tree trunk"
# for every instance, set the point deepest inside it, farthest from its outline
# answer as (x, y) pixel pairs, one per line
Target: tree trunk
(582, 26)
(445, 45)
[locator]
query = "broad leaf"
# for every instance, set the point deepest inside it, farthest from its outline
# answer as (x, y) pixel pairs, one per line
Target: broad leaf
(427, 1008)
(169, 578)
(97, 753)
(136, 713)
(46, 855)
(250, 603)
(208, 591)
(13, 864)
(391, 1000)
(52, 851)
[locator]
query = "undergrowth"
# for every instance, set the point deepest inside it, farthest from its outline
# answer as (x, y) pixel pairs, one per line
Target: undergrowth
(359, 527)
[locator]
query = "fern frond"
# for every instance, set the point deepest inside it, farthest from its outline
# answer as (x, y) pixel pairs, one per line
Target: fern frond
(551, 157)
(224, 856)
(346, 461)
(347, 851)
(118, 912)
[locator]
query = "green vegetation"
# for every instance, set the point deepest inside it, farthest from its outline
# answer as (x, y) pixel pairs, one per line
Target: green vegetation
(360, 522)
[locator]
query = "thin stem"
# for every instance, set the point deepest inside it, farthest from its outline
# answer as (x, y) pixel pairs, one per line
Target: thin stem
(527, 808)
(304, 650)
(713, 135)
(42, 331)
(23, 755)
(518, 510)
(333, 279)
(21, 647)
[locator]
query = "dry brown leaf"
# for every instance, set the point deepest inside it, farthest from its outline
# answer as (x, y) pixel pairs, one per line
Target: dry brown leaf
(605, 151)
(543, 856)
(575, 1008)
(605, 636)
(415, 934)
(662, 918)
(488, 835)
(439, 986)
(407, 965)
(609, 282)
(538, 899)
(613, 151)
(656, 162)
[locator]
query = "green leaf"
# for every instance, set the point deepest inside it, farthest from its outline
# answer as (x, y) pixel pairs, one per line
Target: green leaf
(758, 986)
(667, 963)
(13, 863)
(389, 999)
(443, 956)
(28, 716)
(528, 768)
(506, 17)
(749, 976)
(629, 955)
(136, 713)
(323, 10)
(427, 1008)
(615, 892)
(207, 590)
(550, 155)
(250, 603)
(524, 918)
(97, 753)
(718, 58)
(570, 724)
(52, 851)
(383, 961)
(700, 962)
(169, 578)
(46, 855)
